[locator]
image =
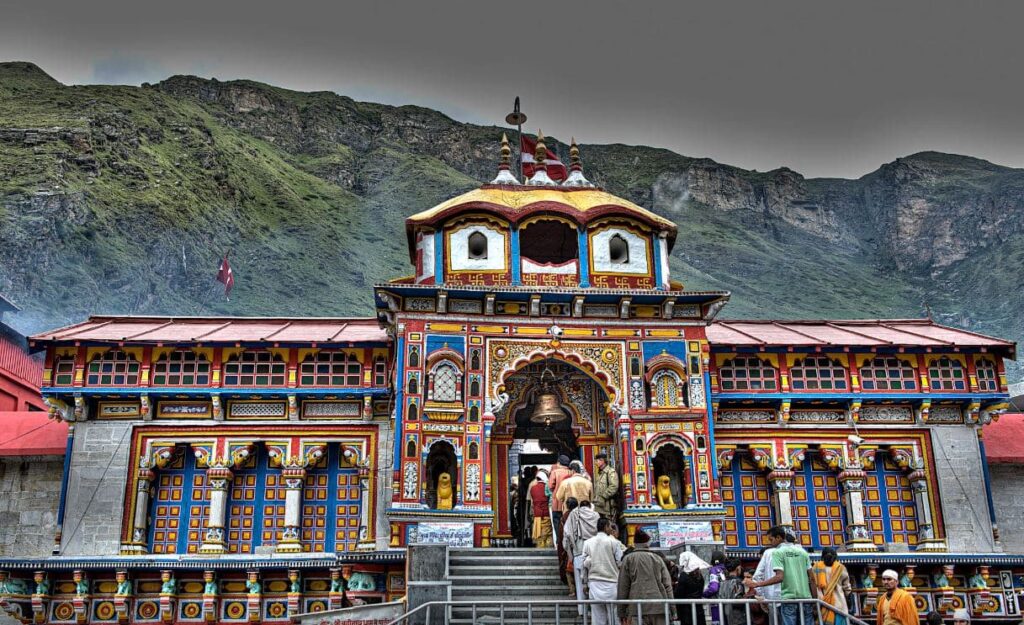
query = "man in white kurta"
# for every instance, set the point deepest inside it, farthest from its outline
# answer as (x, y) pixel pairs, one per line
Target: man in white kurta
(601, 556)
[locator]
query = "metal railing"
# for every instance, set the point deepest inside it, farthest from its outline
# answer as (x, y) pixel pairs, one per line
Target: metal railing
(437, 612)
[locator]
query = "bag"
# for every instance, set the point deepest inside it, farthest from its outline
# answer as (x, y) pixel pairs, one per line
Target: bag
(568, 566)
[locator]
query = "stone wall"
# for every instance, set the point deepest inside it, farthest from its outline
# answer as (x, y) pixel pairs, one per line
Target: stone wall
(95, 499)
(962, 497)
(1008, 496)
(29, 494)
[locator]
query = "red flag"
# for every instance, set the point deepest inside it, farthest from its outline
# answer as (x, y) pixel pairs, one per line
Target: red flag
(556, 170)
(226, 276)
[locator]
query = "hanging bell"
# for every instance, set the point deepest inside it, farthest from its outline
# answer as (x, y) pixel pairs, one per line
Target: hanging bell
(547, 409)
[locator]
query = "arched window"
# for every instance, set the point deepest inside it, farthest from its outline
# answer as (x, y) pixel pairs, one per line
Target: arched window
(179, 506)
(889, 508)
(445, 380)
(414, 356)
(331, 368)
(114, 368)
(818, 514)
(887, 373)
(747, 373)
(474, 451)
(474, 413)
(747, 502)
(331, 505)
(618, 250)
(947, 374)
(988, 376)
(182, 367)
(477, 246)
(410, 448)
(414, 386)
(255, 368)
(413, 413)
(474, 387)
(818, 373)
(380, 371)
(64, 372)
(474, 359)
(667, 389)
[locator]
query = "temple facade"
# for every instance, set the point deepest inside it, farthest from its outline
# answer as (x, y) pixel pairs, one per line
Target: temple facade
(241, 470)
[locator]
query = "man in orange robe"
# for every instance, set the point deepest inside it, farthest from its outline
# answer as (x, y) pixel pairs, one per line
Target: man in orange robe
(896, 606)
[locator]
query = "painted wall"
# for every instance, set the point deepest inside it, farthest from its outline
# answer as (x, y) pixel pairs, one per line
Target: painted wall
(961, 489)
(1008, 495)
(29, 492)
(95, 497)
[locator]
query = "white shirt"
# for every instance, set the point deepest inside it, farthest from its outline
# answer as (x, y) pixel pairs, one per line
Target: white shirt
(602, 555)
(764, 571)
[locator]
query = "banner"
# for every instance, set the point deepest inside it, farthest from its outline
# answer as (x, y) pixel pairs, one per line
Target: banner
(672, 533)
(452, 534)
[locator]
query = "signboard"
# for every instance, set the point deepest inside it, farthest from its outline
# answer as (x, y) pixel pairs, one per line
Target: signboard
(380, 614)
(672, 533)
(452, 534)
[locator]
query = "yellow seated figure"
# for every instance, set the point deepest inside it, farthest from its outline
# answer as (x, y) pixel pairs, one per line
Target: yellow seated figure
(445, 495)
(664, 492)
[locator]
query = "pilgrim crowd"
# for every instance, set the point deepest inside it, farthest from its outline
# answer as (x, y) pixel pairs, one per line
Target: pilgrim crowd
(576, 513)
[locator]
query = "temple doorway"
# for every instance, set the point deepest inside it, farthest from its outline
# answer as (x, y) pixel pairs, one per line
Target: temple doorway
(554, 409)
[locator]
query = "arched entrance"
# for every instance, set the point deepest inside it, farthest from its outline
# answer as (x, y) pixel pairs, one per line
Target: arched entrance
(520, 446)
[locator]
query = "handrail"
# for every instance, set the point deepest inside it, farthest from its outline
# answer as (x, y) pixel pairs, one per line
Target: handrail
(664, 604)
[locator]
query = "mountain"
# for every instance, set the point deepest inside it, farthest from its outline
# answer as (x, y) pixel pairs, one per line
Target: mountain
(122, 199)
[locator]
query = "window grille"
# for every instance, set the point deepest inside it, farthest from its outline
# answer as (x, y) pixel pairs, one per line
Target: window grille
(446, 383)
(115, 368)
(64, 372)
(331, 368)
(747, 373)
(947, 374)
(667, 389)
(887, 373)
(988, 376)
(818, 373)
(380, 372)
(182, 367)
(254, 369)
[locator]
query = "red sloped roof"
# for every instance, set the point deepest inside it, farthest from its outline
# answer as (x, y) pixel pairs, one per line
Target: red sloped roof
(855, 333)
(218, 330)
(31, 434)
(1004, 439)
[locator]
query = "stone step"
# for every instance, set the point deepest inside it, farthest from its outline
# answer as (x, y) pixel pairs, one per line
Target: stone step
(540, 615)
(465, 570)
(551, 559)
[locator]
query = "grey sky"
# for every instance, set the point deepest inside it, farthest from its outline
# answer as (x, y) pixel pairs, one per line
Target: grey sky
(826, 88)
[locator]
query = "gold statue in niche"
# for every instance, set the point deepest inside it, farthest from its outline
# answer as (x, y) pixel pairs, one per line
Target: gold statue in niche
(664, 492)
(445, 496)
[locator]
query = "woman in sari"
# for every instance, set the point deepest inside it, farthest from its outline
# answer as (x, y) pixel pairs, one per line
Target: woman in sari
(833, 582)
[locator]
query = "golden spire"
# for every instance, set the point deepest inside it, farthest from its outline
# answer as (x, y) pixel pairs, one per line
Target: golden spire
(576, 177)
(574, 156)
(540, 155)
(505, 175)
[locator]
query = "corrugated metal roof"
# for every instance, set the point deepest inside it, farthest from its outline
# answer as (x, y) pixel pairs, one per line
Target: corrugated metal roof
(852, 333)
(218, 330)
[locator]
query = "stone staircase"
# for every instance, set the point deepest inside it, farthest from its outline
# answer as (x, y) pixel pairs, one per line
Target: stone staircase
(489, 575)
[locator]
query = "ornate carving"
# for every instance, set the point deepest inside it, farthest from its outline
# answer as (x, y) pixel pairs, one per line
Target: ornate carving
(697, 398)
(745, 416)
(945, 414)
(410, 480)
(473, 482)
(817, 416)
(886, 414)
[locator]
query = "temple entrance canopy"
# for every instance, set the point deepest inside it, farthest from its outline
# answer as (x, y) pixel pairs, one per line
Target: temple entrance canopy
(519, 444)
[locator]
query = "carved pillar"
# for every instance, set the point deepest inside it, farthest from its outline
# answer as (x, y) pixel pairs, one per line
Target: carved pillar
(168, 596)
(80, 601)
(210, 596)
(219, 479)
(254, 596)
(942, 580)
(782, 496)
(294, 593)
(40, 598)
(337, 590)
(910, 460)
(294, 479)
(138, 544)
(123, 597)
(870, 600)
(851, 480)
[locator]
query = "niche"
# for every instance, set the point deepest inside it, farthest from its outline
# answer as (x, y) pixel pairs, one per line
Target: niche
(549, 242)
(414, 356)
(474, 413)
(477, 245)
(618, 250)
(670, 477)
(412, 413)
(442, 476)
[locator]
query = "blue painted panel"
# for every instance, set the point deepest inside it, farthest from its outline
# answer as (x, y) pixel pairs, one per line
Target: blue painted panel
(517, 270)
(657, 262)
(438, 341)
(584, 255)
(399, 400)
(439, 276)
(675, 348)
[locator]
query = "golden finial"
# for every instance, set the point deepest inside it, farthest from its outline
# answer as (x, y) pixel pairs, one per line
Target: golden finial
(506, 153)
(574, 156)
(540, 155)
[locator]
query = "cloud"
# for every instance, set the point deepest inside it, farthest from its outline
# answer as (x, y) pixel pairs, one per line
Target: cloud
(121, 69)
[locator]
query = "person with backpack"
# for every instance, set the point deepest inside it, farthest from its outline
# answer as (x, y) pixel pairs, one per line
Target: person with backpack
(733, 588)
(716, 576)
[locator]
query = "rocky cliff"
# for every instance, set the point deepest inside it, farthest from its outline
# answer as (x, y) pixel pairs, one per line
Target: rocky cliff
(123, 198)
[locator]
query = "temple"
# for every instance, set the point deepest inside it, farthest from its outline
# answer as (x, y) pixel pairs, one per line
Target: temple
(241, 470)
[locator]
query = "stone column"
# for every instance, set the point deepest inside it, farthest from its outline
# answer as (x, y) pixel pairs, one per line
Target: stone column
(219, 479)
(294, 479)
(782, 497)
(926, 538)
(138, 544)
(851, 481)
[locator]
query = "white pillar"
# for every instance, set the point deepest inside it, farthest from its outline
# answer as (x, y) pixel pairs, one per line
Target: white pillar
(782, 483)
(294, 479)
(219, 479)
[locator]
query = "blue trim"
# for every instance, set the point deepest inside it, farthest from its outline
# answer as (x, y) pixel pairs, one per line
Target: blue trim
(148, 563)
(68, 448)
(439, 257)
(988, 481)
(375, 391)
(399, 434)
(584, 258)
(711, 424)
(657, 262)
(516, 260)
